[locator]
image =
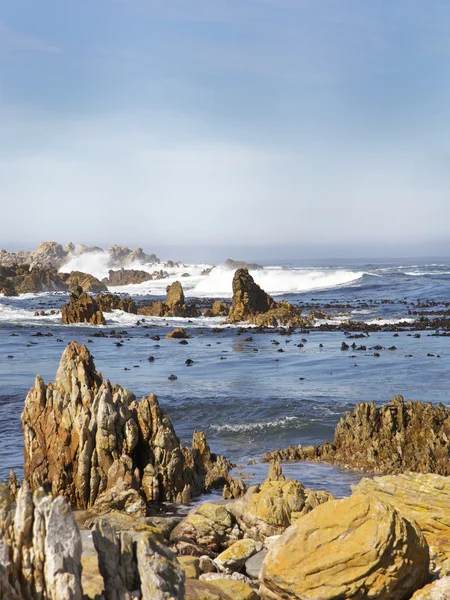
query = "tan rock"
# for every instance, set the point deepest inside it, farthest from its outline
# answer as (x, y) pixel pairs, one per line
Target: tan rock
(424, 498)
(177, 333)
(437, 590)
(82, 308)
(204, 590)
(87, 282)
(190, 566)
(353, 548)
(235, 556)
(237, 590)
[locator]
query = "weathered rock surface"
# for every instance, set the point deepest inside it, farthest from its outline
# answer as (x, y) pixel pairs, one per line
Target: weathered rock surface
(178, 333)
(127, 277)
(22, 279)
(88, 283)
(109, 302)
(251, 303)
(122, 255)
(235, 556)
(422, 498)
(97, 446)
(82, 308)
(354, 548)
(268, 509)
(40, 548)
(241, 264)
(218, 309)
(437, 590)
(174, 306)
(397, 437)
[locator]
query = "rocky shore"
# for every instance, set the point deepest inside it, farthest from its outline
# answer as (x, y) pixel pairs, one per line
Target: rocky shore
(89, 521)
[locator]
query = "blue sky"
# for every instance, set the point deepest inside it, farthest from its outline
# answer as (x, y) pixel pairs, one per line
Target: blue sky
(260, 123)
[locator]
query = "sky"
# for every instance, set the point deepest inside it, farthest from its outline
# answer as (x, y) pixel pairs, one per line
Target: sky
(306, 127)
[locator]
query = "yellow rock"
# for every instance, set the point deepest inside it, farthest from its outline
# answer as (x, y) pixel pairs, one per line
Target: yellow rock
(204, 590)
(238, 590)
(190, 566)
(234, 557)
(422, 497)
(91, 579)
(353, 548)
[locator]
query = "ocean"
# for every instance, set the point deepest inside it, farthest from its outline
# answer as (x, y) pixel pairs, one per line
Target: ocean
(250, 392)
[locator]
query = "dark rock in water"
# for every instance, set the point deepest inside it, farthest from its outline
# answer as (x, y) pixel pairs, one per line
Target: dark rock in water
(109, 302)
(127, 277)
(177, 333)
(98, 447)
(344, 346)
(183, 342)
(240, 264)
(189, 362)
(87, 282)
(172, 377)
(394, 438)
(151, 359)
(82, 308)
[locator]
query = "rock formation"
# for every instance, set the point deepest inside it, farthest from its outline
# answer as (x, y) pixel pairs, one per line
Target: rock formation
(82, 308)
(40, 548)
(174, 306)
(97, 446)
(394, 438)
(120, 255)
(218, 309)
(240, 264)
(23, 279)
(88, 283)
(127, 277)
(251, 303)
(354, 548)
(109, 302)
(422, 498)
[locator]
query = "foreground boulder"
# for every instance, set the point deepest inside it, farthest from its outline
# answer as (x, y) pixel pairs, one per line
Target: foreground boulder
(94, 444)
(40, 548)
(397, 437)
(348, 549)
(82, 308)
(174, 305)
(251, 303)
(422, 498)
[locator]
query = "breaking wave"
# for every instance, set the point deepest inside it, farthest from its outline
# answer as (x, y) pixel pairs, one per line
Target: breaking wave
(282, 423)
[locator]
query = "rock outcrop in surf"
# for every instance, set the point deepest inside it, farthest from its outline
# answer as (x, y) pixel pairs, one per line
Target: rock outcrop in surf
(394, 438)
(174, 306)
(251, 303)
(82, 308)
(97, 446)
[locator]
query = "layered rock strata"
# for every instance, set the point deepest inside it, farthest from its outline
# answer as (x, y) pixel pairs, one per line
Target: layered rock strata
(97, 446)
(394, 438)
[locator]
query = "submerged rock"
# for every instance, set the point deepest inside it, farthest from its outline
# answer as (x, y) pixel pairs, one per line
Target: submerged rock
(397, 437)
(348, 549)
(94, 444)
(82, 308)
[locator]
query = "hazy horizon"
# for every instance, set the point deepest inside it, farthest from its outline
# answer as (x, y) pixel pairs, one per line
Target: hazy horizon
(220, 124)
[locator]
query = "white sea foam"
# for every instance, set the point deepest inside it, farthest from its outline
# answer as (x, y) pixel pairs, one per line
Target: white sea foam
(282, 423)
(123, 319)
(395, 321)
(11, 314)
(421, 273)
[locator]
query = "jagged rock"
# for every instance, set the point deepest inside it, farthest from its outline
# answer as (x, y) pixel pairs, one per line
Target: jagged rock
(218, 309)
(127, 277)
(424, 498)
(82, 308)
(268, 509)
(394, 438)
(49, 254)
(234, 489)
(13, 486)
(177, 333)
(88, 283)
(235, 556)
(97, 446)
(174, 306)
(209, 527)
(354, 548)
(251, 303)
(109, 302)
(437, 590)
(40, 548)
(22, 279)
(120, 255)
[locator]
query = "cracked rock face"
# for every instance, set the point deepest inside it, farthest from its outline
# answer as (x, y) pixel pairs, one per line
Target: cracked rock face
(94, 444)
(40, 548)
